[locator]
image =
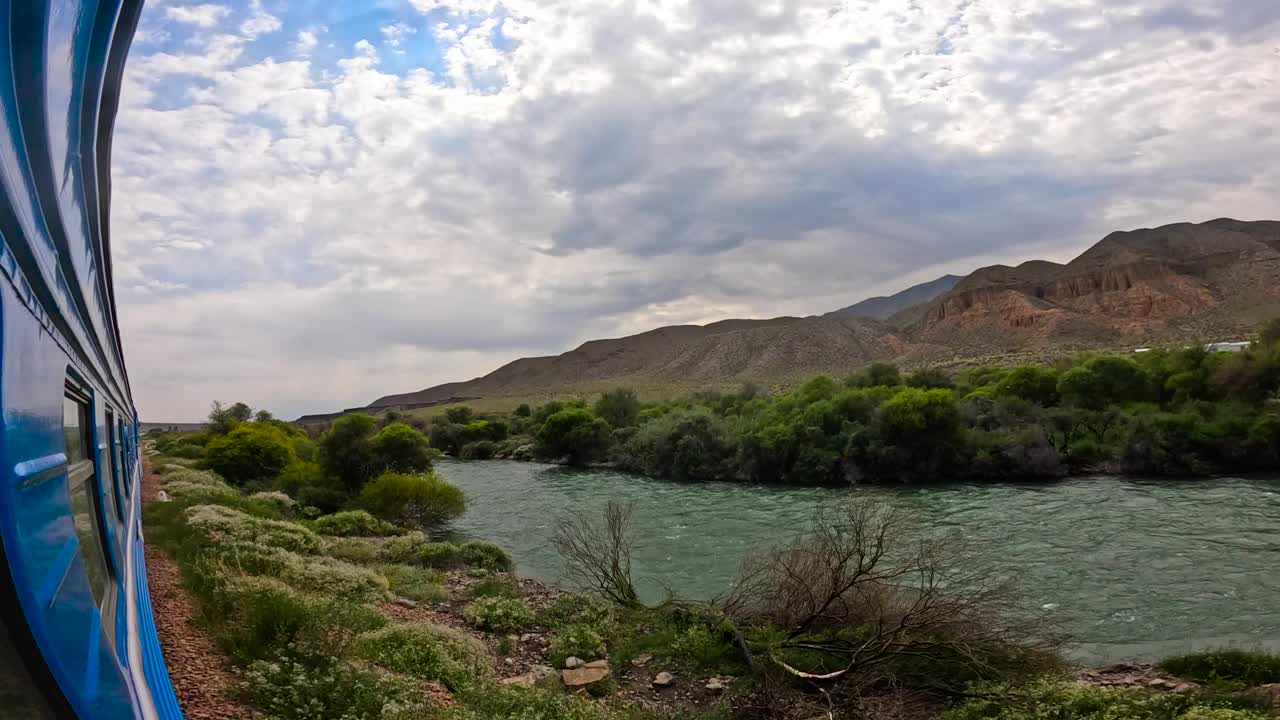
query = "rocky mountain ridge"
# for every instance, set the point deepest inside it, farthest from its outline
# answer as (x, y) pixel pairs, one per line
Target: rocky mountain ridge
(1176, 283)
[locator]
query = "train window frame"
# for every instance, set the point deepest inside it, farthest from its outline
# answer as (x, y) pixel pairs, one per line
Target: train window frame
(83, 478)
(113, 461)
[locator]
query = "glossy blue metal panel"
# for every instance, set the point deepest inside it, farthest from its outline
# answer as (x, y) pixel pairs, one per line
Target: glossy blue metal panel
(58, 98)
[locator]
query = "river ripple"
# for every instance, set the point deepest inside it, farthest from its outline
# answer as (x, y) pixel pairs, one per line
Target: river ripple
(1136, 569)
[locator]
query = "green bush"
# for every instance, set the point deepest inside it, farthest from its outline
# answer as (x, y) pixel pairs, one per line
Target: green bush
(346, 452)
(415, 583)
(581, 641)
(400, 448)
(1226, 666)
(486, 555)
(574, 434)
(362, 551)
(430, 652)
(412, 500)
(353, 523)
(479, 450)
(283, 504)
(318, 575)
(201, 493)
(499, 614)
(219, 524)
(577, 609)
(288, 687)
(249, 453)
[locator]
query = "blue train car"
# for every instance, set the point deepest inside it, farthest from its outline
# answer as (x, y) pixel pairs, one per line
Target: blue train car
(76, 632)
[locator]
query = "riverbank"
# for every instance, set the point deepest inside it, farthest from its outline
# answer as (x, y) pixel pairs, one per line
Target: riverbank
(468, 625)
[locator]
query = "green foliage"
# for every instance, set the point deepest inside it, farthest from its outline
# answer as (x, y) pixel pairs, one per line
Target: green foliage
(493, 587)
(249, 453)
(689, 445)
(422, 500)
(1226, 667)
(346, 450)
(353, 522)
(619, 407)
(581, 641)
(479, 450)
(930, 378)
(221, 525)
(1061, 700)
(429, 652)
(1033, 384)
(415, 583)
(415, 549)
(358, 550)
(292, 688)
(574, 434)
(876, 375)
(577, 609)
(223, 419)
(499, 614)
(486, 555)
(400, 448)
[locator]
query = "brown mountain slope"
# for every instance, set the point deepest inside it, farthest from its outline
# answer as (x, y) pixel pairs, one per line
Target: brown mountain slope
(1172, 283)
(1177, 283)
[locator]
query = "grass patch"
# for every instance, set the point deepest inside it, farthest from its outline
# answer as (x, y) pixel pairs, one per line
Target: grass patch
(429, 652)
(220, 524)
(694, 637)
(577, 609)
(415, 583)
(497, 587)
(486, 555)
(361, 551)
(1231, 667)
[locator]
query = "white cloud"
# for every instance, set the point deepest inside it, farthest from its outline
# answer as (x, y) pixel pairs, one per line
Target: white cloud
(396, 33)
(306, 42)
(206, 16)
(309, 237)
(260, 22)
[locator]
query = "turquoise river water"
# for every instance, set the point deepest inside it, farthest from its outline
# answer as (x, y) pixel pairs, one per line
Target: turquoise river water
(1136, 570)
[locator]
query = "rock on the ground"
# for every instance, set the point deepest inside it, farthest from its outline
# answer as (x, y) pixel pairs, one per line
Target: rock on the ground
(588, 674)
(162, 496)
(406, 602)
(664, 679)
(715, 685)
(641, 660)
(531, 678)
(572, 662)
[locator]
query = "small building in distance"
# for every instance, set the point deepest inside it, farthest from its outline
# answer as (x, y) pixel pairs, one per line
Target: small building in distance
(1235, 346)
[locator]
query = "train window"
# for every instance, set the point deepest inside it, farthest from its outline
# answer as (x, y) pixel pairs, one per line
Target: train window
(82, 485)
(122, 465)
(111, 474)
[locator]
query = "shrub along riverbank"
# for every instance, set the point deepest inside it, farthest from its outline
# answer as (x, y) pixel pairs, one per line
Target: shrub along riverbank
(1164, 412)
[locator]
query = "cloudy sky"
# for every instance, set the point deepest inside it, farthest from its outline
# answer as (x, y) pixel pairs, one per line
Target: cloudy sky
(319, 202)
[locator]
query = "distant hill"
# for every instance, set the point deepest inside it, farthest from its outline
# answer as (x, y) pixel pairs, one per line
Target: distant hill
(883, 308)
(1177, 283)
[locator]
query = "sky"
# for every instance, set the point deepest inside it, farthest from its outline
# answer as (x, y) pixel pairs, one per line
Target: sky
(317, 203)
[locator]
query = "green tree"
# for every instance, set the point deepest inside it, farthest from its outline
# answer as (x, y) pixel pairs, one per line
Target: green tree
(250, 453)
(346, 450)
(460, 415)
(1269, 334)
(523, 410)
(929, 378)
(224, 418)
(420, 500)
(1103, 381)
(619, 407)
(1033, 384)
(877, 374)
(575, 434)
(400, 448)
(263, 416)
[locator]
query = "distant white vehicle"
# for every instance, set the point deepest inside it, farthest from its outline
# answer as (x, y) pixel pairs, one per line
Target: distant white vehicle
(1236, 346)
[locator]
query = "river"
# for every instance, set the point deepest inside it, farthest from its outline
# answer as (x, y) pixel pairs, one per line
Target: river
(1136, 570)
